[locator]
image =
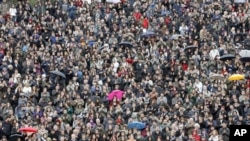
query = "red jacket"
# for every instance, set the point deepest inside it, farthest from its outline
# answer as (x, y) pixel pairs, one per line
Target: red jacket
(184, 67)
(196, 136)
(145, 23)
(167, 20)
(130, 61)
(122, 72)
(137, 16)
(79, 3)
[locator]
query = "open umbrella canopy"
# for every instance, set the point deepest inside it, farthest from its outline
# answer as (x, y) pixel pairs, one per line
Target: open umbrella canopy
(227, 57)
(244, 53)
(239, 1)
(28, 130)
(15, 137)
(116, 93)
(148, 34)
(126, 44)
(175, 36)
(236, 77)
(192, 47)
(113, 1)
(58, 73)
(216, 77)
(137, 125)
(245, 59)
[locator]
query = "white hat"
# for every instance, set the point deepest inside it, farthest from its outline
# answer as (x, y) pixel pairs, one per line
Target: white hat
(197, 125)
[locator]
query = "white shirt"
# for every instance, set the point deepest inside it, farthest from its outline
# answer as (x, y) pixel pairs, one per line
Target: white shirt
(183, 29)
(213, 138)
(26, 89)
(116, 66)
(199, 86)
(99, 64)
(16, 76)
(125, 64)
(13, 11)
(213, 53)
(150, 82)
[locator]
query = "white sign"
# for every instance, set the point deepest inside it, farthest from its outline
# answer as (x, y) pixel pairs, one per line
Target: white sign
(240, 132)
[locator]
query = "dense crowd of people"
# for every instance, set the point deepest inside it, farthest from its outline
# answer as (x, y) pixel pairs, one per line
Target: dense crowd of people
(129, 70)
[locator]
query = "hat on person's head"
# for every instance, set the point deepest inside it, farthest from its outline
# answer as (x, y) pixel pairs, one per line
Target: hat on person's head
(10, 67)
(134, 115)
(197, 125)
(43, 75)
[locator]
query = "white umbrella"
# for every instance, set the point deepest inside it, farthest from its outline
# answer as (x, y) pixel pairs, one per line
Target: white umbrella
(113, 1)
(239, 1)
(244, 53)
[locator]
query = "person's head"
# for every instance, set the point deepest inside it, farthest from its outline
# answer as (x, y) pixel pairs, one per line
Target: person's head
(73, 137)
(131, 136)
(215, 133)
(44, 89)
(55, 127)
(98, 121)
(224, 124)
(4, 138)
(62, 138)
(196, 126)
